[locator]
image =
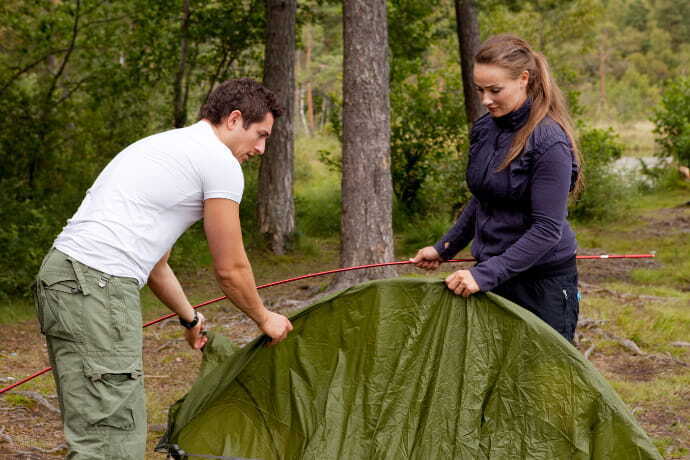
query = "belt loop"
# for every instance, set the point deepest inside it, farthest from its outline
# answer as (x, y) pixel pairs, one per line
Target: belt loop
(80, 276)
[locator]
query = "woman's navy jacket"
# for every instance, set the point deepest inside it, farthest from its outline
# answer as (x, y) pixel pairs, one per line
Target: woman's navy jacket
(517, 216)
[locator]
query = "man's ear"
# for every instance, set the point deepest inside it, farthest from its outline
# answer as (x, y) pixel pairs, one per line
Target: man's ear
(233, 120)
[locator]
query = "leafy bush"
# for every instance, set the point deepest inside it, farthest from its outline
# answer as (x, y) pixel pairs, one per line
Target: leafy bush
(318, 210)
(672, 120)
(428, 145)
(604, 194)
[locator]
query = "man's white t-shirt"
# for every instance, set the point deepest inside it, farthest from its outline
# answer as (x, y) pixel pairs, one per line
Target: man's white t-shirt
(146, 197)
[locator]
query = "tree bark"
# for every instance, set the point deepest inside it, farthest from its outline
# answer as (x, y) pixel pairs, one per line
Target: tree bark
(367, 191)
(276, 207)
(468, 40)
(310, 97)
(179, 93)
(602, 77)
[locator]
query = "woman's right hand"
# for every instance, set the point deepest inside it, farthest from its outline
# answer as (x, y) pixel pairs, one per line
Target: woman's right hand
(427, 258)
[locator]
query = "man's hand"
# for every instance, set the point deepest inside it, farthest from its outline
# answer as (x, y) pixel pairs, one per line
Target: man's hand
(462, 283)
(276, 326)
(195, 336)
(427, 258)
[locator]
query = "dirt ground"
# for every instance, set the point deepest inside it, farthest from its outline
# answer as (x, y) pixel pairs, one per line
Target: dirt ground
(30, 426)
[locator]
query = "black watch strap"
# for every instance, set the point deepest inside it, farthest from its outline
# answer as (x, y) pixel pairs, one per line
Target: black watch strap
(190, 324)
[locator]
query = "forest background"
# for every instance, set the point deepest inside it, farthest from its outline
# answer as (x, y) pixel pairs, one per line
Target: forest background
(80, 80)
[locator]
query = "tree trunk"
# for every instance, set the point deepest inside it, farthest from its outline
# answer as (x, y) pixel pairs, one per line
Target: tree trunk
(367, 191)
(302, 116)
(179, 93)
(468, 40)
(310, 95)
(602, 78)
(276, 206)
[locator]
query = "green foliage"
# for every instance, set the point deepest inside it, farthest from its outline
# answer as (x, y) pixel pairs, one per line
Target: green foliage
(672, 121)
(604, 194)
(79, 81)
(428, 141)
(318, 210)
(633, 96)
(428, 125)
(420, 231)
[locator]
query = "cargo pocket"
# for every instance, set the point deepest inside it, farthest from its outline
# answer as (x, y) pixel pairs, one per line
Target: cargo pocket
(58, 295)
(115, 393)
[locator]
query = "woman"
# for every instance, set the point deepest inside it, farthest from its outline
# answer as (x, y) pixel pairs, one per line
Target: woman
(523, 164)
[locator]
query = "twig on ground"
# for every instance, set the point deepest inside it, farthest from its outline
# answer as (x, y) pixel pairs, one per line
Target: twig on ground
(589, 351)
(14, 409)
(54, 450)
(623, 295)
(167, 344)
(680, 344)
(38, 453)
(158, 428)
(669, 357)
(585, 323)
(5, 437)
(625, 343)
(40, 399)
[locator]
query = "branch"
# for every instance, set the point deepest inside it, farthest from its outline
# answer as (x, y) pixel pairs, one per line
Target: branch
(40, 399)
(5, 437)
(625, 343)
(69, 93)
(26, 68)
(102, 21)
(70, 49)
(95, 7)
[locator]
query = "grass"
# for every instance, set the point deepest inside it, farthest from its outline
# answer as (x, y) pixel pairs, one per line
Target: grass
(637, 136)
(16, 310)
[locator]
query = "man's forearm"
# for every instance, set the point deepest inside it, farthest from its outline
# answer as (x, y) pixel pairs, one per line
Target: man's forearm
(239, 285)
(167, 288)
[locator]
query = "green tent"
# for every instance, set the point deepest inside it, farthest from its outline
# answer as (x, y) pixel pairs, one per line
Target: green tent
(400, 369)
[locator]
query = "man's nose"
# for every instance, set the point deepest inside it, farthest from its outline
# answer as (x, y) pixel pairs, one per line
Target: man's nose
(260, 147)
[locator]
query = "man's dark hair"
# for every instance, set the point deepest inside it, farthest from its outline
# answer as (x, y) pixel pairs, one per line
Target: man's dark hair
(248, 96)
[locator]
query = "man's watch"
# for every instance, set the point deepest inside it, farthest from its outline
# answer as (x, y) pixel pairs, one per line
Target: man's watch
(192, 323)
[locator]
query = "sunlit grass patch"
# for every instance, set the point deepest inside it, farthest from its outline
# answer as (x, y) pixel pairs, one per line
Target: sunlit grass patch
(652, 324)
(637, 136)
(16, 310)
(18, 400)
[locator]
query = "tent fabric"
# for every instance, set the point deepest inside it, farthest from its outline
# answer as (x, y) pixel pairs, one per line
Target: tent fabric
(405, 369)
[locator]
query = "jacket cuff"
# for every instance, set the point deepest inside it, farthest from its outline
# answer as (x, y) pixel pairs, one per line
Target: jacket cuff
(486, 275)
(444, 249)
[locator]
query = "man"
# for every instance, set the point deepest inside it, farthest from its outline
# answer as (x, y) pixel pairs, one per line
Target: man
(120, 239)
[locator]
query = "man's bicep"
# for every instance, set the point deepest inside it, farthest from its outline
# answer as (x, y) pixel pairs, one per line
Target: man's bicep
(223, 231)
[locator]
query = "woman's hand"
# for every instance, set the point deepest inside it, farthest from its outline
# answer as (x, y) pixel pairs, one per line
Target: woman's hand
(427, 258)
(462, 283)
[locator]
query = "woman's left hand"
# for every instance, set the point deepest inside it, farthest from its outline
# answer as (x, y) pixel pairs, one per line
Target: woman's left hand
(462, 283)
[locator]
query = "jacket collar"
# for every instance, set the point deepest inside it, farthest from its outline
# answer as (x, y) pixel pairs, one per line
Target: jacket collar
(516, 119)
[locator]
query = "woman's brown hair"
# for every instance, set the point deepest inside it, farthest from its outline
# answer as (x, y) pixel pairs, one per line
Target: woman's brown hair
(515, 55)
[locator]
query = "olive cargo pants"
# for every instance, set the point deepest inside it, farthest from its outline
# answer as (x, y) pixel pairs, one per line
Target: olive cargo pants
(92, 323)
